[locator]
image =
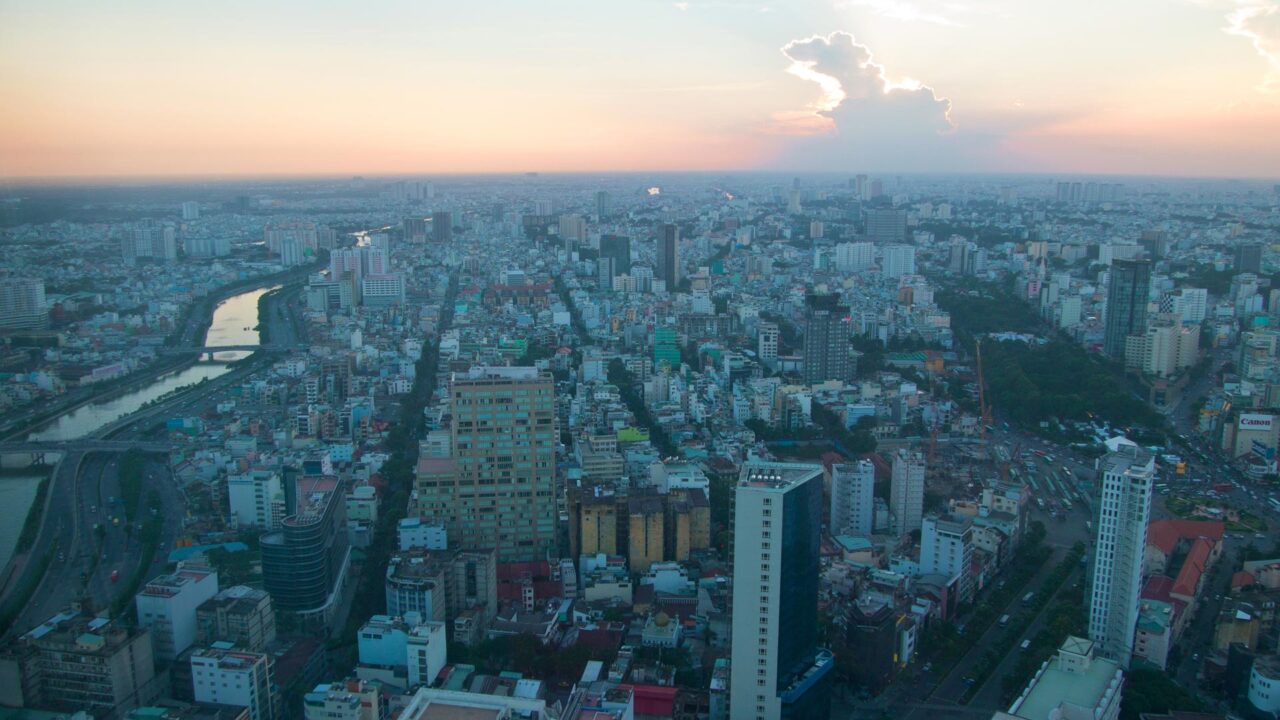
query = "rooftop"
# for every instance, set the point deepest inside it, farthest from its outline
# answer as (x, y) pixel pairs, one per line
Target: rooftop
(1086, 684)
(776, 475)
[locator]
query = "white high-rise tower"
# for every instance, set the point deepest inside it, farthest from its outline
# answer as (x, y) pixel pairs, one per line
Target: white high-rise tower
(1120, 522)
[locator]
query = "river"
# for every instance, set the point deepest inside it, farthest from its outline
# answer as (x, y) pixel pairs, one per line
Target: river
(234, 322)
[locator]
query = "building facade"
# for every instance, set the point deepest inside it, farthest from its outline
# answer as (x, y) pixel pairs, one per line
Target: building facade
(501, 489)
(777, 669)
(906, 491)
(1120, 528)
(826, 340)
(168, 606)
(853, 498)
(1128, 291)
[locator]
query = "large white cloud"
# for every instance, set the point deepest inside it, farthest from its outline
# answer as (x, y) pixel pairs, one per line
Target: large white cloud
(862, 118)
(1258, 21)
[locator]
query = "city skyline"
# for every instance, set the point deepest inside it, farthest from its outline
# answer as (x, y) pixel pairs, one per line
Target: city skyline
(879, 86)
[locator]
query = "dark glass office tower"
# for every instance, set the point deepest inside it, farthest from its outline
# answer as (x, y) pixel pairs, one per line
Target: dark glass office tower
(1127, 293)
(826, 340)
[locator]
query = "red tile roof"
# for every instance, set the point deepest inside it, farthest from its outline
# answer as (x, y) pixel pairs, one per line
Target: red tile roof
(1188, 580)
(1165, 534)
(1242, 579)
(653, 700)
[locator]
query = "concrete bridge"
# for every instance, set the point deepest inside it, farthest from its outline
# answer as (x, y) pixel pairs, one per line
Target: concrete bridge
(39, 447)
(210, 349)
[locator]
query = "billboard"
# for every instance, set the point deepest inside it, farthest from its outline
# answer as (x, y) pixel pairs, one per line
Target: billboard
(1257, 423)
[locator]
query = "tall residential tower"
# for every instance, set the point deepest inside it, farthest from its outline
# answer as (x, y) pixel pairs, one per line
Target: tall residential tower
(778, 670)
(1120, 526)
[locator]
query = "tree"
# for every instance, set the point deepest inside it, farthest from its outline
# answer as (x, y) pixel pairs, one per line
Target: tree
(1151, 691)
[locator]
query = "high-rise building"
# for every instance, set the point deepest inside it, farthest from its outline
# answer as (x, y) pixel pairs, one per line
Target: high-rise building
(615, 251)
(666, 348)
(1165, 349)
(826, 340)
(79, 662)
(1155, 243)
(604, 205)
(256, 499)
(887, 225)
(898, 260)
(946, 548)
(596, 516)
(502, 489)
(415, 229)
(190, 210)
(382, 290)
(669, 255)
(168, 604)
(223, 676)
(853, 498)
(646, 537)
(22, 304)
(854, 257)
(1128, 290)
(1248, 258)
(1123, 508)
(1189, 305)
(442, 226)
(305, 562)
(149, 240)
(240, 615)
(906, 491)
(777, 669)
(767, 341)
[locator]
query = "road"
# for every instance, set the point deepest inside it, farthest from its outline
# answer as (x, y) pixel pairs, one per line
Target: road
(78, 498)
(57, 528)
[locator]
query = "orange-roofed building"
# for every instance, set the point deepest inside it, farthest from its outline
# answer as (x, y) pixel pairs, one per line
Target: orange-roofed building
(1165, 538)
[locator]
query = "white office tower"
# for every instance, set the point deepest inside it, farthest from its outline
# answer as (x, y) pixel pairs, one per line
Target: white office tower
(946, 548)
(906, 491)
(778, 670)
(767, 342)
(256, 499)
(1120, 524)
(853, 257)
(898, 260)
(167, 605)
(191, 210)
(852, 498)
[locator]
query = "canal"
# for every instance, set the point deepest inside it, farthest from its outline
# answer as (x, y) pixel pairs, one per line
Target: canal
(234, 323)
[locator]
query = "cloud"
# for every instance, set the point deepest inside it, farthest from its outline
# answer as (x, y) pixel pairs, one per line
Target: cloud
(1258, 21)
(861, 116)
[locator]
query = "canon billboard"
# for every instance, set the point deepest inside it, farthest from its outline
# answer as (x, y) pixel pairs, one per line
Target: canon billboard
(1256, 422)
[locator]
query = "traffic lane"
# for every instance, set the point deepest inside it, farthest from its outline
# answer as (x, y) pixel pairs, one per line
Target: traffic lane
(953, 685)
(61, 583)
(989, 695)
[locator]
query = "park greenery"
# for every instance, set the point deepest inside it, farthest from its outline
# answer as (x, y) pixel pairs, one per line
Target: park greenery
(1152, 691)
(1033, 383)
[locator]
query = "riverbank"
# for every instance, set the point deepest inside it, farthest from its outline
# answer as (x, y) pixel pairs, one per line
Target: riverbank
(188, 329)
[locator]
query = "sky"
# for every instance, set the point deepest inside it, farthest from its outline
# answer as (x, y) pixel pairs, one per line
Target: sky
(276, 87)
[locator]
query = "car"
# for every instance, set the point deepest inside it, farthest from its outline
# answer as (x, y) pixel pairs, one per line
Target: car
(927, 667)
